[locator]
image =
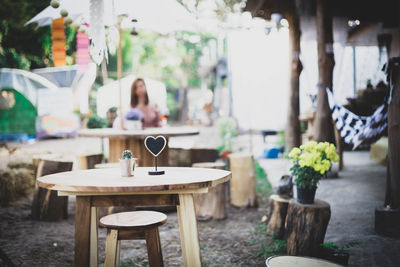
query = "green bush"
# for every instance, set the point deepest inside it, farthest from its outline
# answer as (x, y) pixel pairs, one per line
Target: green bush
(95, 121)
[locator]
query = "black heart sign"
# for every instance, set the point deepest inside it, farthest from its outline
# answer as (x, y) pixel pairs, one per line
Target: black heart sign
(155, 145)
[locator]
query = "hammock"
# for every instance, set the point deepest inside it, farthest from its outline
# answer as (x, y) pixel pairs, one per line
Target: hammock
(358, 130)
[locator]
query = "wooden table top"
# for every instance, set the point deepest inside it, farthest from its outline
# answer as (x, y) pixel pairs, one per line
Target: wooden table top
(110, 180)
(165, 131)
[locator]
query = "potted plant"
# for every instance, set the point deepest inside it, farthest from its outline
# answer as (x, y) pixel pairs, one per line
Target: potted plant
(127, 163)
(133, 119)
(310, 162)
(337, 254)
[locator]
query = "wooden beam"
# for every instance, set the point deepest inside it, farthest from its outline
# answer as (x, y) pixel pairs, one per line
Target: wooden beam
(323, 129)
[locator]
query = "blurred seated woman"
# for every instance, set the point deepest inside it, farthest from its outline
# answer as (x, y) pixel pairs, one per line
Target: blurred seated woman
(140, 108)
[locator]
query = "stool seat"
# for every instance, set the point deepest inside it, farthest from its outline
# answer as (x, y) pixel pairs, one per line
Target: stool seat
(134, 219)
(134, 225)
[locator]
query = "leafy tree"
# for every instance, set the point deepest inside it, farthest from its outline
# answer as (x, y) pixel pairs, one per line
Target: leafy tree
(27, 46)
(23, 46)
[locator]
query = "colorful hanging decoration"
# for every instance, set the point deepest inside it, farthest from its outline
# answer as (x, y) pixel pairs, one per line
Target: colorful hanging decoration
(97, 34)
(82, 52)
(58, 42)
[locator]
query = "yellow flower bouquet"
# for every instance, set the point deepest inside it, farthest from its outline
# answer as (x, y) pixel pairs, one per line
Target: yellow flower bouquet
(310, 162)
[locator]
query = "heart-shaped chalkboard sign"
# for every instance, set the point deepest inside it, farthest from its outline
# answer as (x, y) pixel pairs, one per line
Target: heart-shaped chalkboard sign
(155, 145)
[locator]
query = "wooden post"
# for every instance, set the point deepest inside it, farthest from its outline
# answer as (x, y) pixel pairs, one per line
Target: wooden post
(387, 218)
(323, 120)
(306, 227)
(119, 70)
(292, 131)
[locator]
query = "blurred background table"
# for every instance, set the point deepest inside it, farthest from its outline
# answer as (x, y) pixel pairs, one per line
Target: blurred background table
(120, 140)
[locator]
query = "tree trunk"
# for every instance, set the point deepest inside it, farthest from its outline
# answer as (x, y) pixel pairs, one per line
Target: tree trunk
(393, 181)
(292, 132)
(306, 227)
(243, 182)
(323, 120)
(276, 216)
(211, 205)
(47, 205)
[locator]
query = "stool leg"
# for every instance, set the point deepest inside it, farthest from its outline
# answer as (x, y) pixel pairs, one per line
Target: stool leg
(112, 248)
(154, 252)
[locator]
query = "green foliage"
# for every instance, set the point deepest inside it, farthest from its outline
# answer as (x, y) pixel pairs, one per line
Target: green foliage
(341, 248)
(27, 47)
(305, 177)
(95, 121)
(126, 154)
(264, 188)
(227, 131)
(268, 245)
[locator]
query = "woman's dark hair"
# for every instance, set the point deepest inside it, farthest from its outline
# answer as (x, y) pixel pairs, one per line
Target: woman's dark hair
(134, 96)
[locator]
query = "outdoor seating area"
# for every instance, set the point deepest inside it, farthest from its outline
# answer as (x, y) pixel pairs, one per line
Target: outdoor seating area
(200, 133)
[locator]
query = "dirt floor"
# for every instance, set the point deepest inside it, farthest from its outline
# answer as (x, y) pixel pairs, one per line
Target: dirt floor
(230, 242)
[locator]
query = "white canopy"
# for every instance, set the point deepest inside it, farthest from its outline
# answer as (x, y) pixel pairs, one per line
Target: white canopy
(162, 16)
(108, 96)
(25, 82)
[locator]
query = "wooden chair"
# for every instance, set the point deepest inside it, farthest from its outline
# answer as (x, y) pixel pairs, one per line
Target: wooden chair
(135, 225)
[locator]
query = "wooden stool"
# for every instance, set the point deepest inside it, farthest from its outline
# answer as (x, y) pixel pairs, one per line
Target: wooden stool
(243, 183)
(135, 225)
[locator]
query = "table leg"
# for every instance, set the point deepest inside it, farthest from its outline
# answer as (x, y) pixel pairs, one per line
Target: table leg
(94, 226)
(82, 230)
(188, 231)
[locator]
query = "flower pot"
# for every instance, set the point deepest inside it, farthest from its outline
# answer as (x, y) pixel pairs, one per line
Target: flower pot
(133, 124)
(127, 167)
(305, 195)
(335, 256)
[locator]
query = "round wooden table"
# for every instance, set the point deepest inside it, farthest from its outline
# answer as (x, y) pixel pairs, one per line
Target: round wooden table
(106, 187)
(120, 140)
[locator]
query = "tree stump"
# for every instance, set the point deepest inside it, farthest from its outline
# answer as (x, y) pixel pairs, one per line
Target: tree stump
(306, 227)
(211, 205)
(276, 216)
(243, 191)
(47, 205)
(86, 162)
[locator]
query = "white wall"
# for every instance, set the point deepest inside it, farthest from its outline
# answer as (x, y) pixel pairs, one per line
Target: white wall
(259, 66)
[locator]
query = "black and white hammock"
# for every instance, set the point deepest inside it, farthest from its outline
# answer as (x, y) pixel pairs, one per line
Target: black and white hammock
(356, 130)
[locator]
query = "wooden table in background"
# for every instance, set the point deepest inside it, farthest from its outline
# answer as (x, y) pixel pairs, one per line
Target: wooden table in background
(105, 188)
(120, 140)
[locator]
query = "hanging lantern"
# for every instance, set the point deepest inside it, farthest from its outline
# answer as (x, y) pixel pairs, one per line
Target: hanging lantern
(64, 13)
(58, 42)
(54, 3)
(67, 20)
